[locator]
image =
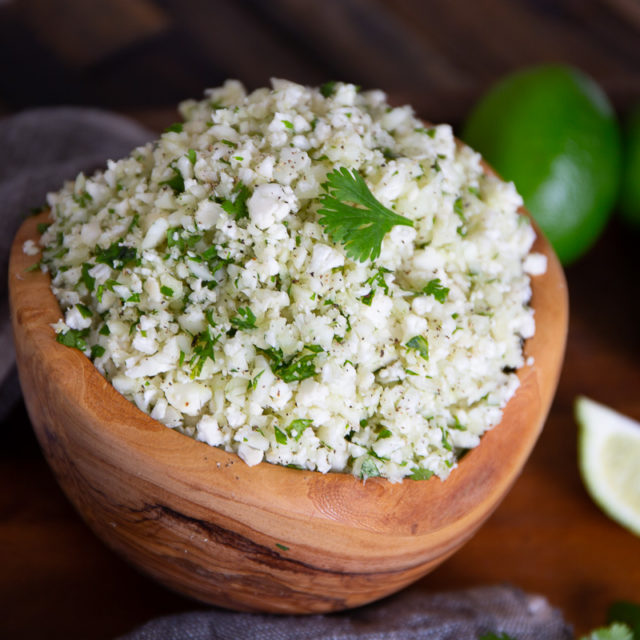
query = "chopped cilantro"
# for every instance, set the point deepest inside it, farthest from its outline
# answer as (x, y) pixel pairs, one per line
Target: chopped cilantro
(85, 312)
(73, 338)
(436, 289)
(135, 222)
(176, 127)
(296, 368)
(97, 351)
(360, 228)
(82, 199)
(281, 436)
(245, 319)
(191, 154)
(282, 546)
(369, 469)
(34, 267)
(418, 473)
(297, 427)
(117, 255)
(42, 227)
(166, 291)
(385, 433)
(458, 207)
(328, 88)
(420, 344)
(237, 205)
(104, 330)
(229, 143)
(445, 442)
(314, 348)
(88, 281)
(202, 347)
(287, 124)
(375, 281)
(176, 181)
(253, 383)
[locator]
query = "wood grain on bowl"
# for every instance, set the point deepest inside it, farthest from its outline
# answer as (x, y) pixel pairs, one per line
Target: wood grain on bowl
(263, 538)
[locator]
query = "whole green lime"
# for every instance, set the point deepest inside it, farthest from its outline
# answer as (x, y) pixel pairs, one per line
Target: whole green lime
(552, 131)
(630, 190)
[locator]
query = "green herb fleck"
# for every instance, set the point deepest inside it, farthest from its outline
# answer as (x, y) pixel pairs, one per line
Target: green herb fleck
(282, 546)
(73, 338)
(237, 205)
(253, 383)
(445, 442)
(34, 267)
(82, 199)
(281, 436)
(245, 319)
(42, 227)
(104, 330)
(297, 427)
(436, 289)
(418, 473)
(166, 291)
(287, 124)
(202, 346)
(97, 351)
(117, 255)
(176, 181)
(296, 368)
(328, 88)
(420, 344)
(369, 469)
(85, 312)
(191, 154)
(176, 127)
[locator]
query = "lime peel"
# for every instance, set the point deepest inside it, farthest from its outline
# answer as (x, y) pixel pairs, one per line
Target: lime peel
(609, 461)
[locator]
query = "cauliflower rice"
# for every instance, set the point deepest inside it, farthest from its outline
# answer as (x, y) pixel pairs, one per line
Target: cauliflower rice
(197, 276)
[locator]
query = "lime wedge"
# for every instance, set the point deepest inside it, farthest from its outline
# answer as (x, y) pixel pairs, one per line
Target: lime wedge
(609, 459)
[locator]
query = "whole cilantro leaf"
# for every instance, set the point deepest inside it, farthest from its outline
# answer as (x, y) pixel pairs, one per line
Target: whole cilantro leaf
(352, 216)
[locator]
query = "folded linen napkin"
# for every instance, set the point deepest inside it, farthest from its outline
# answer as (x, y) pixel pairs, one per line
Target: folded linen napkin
(44, 147)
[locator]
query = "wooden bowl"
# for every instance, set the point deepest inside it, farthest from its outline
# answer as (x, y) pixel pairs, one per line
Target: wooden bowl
(263, 538)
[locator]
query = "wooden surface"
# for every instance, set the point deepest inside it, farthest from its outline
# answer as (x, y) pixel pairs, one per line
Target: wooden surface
(262, 538)
(57, 579)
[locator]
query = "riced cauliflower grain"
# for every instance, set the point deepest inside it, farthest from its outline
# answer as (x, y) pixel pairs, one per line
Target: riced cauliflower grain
(197, 276)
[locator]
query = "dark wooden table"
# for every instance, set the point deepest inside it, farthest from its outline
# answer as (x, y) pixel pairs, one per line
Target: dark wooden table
(56, 579)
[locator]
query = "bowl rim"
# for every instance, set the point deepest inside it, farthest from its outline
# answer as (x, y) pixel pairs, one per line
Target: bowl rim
(415, 508)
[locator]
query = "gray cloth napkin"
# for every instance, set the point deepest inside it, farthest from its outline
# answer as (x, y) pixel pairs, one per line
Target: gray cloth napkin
(44, 147)
(459, 615)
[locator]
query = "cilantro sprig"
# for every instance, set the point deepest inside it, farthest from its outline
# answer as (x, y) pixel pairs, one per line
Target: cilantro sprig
(351, 215)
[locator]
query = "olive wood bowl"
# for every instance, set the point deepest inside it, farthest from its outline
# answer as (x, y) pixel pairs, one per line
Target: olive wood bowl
(263, 538)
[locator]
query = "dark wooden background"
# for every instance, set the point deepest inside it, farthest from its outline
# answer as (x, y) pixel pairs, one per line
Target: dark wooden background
(140, 57)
